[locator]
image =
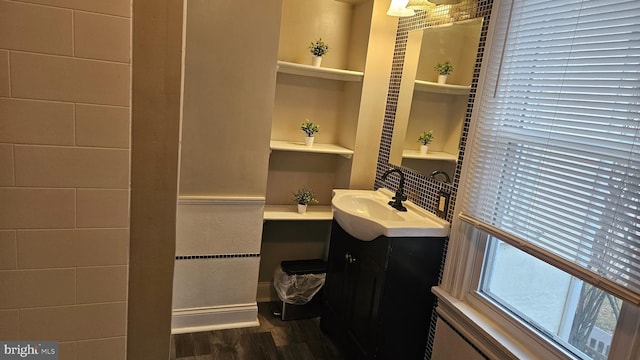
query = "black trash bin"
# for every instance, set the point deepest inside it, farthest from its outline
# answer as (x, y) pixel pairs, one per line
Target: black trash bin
(299, 284)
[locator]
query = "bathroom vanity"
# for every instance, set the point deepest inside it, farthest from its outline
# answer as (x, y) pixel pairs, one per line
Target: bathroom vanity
(377, 298)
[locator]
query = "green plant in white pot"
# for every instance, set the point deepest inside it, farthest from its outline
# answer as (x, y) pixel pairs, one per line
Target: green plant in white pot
(303, 197)
(310, 129)
(318, 49)
(443, 69)
(425, 138)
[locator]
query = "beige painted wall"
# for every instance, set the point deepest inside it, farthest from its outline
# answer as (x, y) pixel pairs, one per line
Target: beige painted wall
(157, 34)
(289, 171)
(230, 70)
(334, 105)
(64, 174)
(373, 98)
(293, 240)
(304, 21)
(349, 114)
(299, 98)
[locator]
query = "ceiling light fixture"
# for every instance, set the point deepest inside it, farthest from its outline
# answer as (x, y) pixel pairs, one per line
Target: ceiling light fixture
(420, 5)
(399, 8)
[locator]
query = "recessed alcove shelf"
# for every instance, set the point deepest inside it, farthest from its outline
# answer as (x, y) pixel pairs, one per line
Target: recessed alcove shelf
(320, 148)
(428, 86)
(290, 212)
(318, 72)
(435, 155)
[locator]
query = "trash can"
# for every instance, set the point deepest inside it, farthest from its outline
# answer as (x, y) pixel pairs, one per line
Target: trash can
(298, 284)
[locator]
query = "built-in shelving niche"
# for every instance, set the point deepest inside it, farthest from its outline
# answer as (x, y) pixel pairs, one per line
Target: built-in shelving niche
(321, 95)
(328, 95)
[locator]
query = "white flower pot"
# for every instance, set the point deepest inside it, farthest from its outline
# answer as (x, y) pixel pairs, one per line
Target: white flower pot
(302, 209)
(308, 140)
(424, 149)
(442, 79)
(316, 60)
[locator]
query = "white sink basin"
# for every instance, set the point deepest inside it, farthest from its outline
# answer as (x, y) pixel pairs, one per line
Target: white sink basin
(366, 214)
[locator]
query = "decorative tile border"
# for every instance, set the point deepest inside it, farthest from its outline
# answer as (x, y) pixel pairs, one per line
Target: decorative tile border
(215, 256)
(422, 190)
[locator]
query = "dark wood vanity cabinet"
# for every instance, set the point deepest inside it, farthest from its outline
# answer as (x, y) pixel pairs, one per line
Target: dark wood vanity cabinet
(377, 297)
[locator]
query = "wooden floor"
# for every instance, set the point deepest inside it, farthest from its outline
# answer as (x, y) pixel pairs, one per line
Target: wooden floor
(273, 339)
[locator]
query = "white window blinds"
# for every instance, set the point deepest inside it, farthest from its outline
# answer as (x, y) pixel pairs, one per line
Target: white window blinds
(554, 164)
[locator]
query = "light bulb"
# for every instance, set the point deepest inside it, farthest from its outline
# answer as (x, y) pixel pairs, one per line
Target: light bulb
(399, 8)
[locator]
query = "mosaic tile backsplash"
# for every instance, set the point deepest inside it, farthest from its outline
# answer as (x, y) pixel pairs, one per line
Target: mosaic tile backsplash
(421, 189)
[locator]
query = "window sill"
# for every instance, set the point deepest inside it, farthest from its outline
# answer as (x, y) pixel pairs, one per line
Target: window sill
(489, 334)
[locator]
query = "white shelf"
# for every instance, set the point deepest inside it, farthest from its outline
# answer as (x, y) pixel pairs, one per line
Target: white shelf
(434, 155)
(299, 146)
(318, 72)
(428, 86)
(290, 212)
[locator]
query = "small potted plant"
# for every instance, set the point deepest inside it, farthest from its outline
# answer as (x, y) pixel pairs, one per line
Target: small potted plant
(309, 128)
(443, 70)
(304, 197)
(318, 49)
(425, 138)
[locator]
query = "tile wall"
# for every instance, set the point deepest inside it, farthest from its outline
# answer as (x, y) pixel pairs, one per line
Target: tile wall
(421, 189)
(64, 174)
(217, 261)
(222, 180)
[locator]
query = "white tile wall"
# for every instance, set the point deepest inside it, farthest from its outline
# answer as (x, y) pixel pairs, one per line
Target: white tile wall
(216, 228)
(228, 231)
(215, 282)
(64, 165)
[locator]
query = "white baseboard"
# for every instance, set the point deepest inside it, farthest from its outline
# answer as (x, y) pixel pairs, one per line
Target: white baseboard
(266, 292)
(214, 318)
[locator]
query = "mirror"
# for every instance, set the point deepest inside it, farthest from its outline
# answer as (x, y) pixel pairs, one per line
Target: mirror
(425, 105)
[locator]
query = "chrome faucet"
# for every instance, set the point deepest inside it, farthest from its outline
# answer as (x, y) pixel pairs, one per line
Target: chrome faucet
(400, 196)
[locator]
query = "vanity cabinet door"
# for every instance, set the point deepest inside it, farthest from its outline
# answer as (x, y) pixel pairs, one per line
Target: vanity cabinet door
(338, 300)
(368, 286)
(353, 292)
(377, 299)
(414, 266)
(338, 293)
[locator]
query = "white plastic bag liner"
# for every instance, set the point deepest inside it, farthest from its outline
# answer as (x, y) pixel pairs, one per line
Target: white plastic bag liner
(297, 289)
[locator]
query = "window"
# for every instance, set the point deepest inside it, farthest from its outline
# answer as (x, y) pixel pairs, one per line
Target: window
(560, 155)
(569, 311)
(549, 202)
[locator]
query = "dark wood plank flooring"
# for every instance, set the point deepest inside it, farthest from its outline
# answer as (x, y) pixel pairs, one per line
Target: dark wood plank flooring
(273, 339)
